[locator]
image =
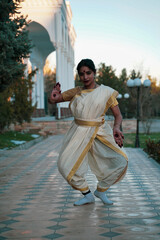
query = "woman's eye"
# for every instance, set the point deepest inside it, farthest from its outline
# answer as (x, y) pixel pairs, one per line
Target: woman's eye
(81, 74)
(88, 73)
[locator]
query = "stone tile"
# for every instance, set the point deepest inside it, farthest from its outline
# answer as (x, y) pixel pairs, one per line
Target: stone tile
(37, 203)
(137, 236)
(134, 214)
(110, 234)
(82, 232)
(137, 229)
(28, 229)
(53, 236)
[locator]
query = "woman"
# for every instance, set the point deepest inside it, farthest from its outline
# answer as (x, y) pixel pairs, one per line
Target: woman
(90, 140)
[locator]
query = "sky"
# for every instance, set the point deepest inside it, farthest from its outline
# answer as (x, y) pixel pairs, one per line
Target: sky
(120, 33)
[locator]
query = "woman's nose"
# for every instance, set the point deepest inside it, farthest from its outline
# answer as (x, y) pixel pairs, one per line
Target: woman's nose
(85, 76)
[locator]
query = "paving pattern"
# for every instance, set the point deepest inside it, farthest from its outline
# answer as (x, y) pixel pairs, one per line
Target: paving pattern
(36, 203)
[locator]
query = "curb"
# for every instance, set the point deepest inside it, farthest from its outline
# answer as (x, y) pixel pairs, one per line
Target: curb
(28, 144)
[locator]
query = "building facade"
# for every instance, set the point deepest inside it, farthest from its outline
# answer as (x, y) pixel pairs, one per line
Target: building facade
(51, 30)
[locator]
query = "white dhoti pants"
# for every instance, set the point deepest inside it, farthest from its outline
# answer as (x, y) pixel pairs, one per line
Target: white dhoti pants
(107, 165)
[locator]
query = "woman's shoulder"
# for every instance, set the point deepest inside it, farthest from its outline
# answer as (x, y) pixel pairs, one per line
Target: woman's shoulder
(109, 90)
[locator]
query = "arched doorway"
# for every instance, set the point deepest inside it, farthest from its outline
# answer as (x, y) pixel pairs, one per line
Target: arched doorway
(42, 48)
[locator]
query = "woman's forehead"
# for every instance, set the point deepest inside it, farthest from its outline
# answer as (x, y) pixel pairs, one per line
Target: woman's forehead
(84, 69)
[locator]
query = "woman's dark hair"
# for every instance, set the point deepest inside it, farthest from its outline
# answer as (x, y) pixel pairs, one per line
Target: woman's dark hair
(86, 63)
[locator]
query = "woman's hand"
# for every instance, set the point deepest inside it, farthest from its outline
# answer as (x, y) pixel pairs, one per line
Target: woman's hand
(56, 94)
(118, 136)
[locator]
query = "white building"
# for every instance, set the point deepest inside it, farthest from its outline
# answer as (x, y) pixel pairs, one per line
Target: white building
(51, 30)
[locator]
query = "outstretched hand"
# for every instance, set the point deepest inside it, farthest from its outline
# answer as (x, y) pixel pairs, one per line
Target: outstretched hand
(118, 136)
(56, 92)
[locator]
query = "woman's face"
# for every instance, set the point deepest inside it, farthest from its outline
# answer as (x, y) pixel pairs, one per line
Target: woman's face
(87, 77)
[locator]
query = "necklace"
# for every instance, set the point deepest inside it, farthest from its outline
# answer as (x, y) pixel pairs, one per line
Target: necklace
(95, 86)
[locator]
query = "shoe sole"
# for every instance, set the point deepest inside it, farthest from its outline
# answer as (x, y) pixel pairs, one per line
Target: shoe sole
(83, 204)
(102, 201)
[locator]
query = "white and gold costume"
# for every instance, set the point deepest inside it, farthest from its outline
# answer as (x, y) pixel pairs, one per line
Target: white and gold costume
(90, 140)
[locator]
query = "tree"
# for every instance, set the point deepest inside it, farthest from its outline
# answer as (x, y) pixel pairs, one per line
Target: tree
(124, 103)
(106, 75)
(155, 92)
(135, 74)
(77, 81)
(21, 100)
(123, 76)
(132, 101)
(15, 45)
(150, 103)
(146, 101)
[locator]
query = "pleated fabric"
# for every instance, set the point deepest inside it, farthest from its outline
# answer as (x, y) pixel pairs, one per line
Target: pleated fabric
(90, 141)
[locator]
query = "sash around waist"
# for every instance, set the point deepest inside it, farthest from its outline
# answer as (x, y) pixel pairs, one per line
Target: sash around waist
(89, 123)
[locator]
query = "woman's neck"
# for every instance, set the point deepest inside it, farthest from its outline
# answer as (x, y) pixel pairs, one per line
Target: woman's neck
(93, 86)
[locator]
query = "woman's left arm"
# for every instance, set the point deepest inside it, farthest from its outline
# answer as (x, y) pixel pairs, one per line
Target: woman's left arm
(118, 135)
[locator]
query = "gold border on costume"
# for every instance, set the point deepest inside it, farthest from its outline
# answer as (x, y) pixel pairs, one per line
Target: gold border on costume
(80, 159)
(96, 123)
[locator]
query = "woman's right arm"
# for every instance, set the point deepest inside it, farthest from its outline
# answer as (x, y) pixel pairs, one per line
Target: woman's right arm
(57, 96)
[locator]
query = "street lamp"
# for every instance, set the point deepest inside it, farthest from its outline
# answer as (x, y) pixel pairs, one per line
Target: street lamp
(137, 83)
(126, 96)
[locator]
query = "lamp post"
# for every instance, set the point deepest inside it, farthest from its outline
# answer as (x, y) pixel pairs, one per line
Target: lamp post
(126, 96)
(137, 83)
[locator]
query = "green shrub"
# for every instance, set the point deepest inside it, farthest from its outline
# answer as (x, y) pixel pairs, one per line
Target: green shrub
(6, 110)
(153, 149)
(15, 84)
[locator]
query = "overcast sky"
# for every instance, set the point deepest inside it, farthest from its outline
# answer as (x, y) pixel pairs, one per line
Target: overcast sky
(121, 33)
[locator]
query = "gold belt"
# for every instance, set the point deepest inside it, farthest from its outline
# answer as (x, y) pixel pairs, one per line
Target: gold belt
(89, 123)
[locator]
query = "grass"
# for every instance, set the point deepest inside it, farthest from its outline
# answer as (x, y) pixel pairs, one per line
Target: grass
(129, 139)
(5, 139)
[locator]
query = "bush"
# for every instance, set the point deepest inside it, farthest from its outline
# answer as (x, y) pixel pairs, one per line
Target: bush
(15, 45)
(16, 103)
(153, 149)
(6, 110)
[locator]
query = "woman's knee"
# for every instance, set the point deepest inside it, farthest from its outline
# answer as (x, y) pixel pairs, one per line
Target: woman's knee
(61, 168)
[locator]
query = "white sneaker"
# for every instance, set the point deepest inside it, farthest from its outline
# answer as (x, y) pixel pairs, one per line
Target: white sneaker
(88, 198)
(103, 197)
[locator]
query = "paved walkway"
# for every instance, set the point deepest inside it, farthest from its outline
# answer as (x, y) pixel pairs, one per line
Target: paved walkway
(36, 203)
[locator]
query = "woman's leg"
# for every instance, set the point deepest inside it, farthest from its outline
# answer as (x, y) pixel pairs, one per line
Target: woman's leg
(108, 166)
(79, 182)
